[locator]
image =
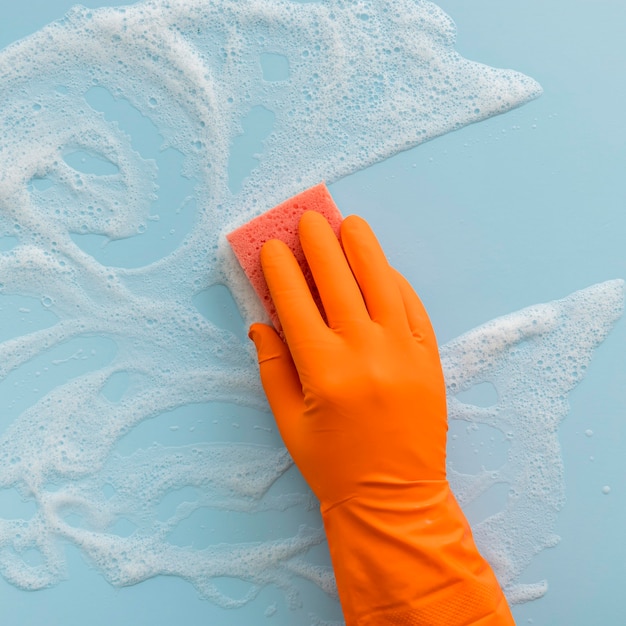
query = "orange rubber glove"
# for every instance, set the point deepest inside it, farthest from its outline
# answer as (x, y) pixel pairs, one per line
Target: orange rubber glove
(360, 403)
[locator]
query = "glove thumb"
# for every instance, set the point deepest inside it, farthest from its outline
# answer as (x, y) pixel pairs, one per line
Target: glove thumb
(267, 343)
(279, 378)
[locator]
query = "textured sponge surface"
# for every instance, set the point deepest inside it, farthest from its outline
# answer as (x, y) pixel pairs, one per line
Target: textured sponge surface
(281, 222)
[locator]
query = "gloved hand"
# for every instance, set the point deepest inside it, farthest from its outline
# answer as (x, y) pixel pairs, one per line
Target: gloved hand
(359, 399)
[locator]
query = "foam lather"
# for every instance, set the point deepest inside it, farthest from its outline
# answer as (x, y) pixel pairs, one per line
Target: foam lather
(281, 222)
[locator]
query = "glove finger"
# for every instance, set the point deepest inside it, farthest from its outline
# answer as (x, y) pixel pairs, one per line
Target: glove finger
(290, 293)
(280, 381)
(419, 322)
(333, 277)
(372, 271)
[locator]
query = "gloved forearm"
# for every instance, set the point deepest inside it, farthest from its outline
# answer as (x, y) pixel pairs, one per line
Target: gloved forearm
(408, 558)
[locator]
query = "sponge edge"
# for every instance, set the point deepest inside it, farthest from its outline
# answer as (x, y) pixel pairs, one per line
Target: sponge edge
(281, 222)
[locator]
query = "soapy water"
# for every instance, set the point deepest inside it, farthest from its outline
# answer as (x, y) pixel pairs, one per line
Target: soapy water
(533, 358)
(325, 88)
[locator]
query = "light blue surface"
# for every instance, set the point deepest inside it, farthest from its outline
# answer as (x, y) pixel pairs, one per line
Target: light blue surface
(516, 210)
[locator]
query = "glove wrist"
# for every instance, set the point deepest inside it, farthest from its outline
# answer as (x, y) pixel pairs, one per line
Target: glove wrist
(407, 554)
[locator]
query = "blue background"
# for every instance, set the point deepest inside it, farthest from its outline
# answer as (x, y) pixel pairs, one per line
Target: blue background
(519, 209)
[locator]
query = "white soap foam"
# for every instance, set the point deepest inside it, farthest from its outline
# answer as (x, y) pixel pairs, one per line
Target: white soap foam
(357, 82)
(533, 358)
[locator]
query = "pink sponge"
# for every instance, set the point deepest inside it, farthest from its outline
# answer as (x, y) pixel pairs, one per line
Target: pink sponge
(281, 222)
